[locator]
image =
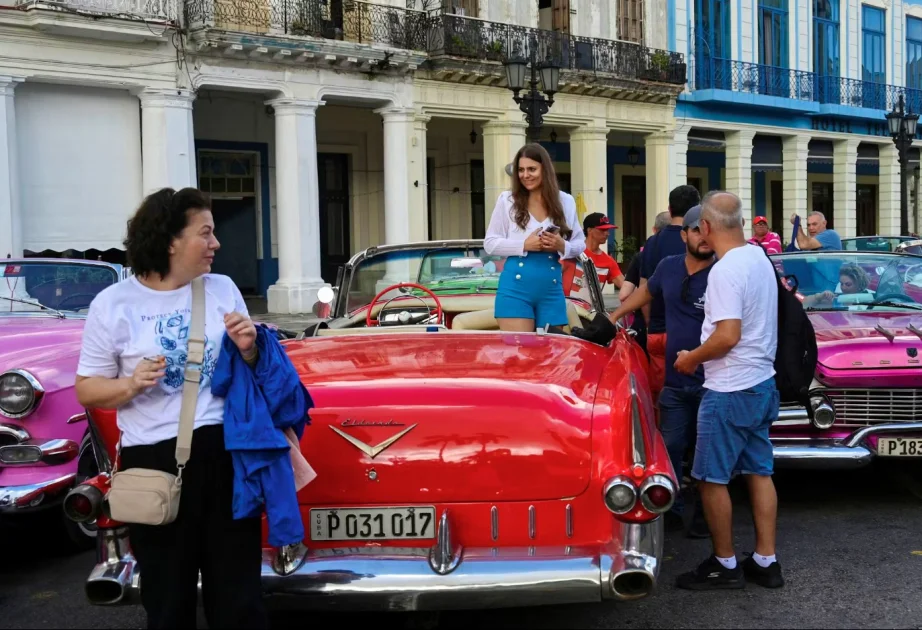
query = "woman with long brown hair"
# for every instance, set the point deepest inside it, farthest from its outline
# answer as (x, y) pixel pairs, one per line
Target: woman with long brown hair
(534, 225)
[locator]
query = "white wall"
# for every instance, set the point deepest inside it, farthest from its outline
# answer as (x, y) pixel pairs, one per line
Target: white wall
(79, 165)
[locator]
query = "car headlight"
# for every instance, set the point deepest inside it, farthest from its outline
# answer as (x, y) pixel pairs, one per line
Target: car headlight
(824, 415)
(20, 393)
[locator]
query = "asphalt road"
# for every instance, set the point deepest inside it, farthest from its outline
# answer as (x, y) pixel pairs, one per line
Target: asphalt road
(850, 544)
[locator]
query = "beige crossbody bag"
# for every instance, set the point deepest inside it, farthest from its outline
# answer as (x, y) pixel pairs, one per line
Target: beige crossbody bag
(151, 497)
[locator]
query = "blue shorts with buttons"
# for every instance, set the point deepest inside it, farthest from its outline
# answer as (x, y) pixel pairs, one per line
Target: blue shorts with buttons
(733, 433)
(531, 287)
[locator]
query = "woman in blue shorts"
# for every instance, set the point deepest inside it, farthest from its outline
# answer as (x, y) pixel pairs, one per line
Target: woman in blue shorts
(534, 226)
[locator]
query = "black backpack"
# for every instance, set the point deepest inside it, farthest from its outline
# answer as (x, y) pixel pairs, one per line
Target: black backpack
(796, 356)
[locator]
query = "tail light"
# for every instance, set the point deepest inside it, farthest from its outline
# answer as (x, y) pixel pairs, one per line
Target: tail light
(657, 494)
(84, 503)
(620, 495)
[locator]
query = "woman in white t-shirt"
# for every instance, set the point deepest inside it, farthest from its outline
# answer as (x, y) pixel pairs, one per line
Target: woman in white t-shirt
(132, 360)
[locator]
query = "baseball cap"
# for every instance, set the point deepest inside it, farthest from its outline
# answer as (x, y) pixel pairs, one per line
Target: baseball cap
(692, 217)
(597, 220)
(760, 219)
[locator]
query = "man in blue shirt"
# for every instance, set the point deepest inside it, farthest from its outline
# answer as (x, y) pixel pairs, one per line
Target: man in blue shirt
(666, 242)
(680, 281)
(817, 237)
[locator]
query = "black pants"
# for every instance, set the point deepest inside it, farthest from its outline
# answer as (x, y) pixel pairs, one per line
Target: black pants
(204, 537)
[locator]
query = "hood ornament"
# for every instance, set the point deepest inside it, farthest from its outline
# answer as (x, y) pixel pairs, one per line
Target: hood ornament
(914, 330)
(886, 333)
(372, 451)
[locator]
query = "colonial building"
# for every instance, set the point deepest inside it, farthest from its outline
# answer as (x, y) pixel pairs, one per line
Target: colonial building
(786, 105)
(321, 127)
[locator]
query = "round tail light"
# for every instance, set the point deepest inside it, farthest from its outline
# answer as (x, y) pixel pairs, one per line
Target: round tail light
(620, 495)
(83, 503)
(657, 494)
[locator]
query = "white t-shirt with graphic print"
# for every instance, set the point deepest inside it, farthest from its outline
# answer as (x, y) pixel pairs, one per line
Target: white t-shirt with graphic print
(129, 321)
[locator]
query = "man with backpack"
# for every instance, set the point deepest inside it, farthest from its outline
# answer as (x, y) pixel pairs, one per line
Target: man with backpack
(739, 340)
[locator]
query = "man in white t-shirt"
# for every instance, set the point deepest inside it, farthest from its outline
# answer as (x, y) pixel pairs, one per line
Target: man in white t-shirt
(739, 339)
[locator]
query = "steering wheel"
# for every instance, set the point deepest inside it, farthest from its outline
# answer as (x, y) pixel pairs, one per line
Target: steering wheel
(370, 321)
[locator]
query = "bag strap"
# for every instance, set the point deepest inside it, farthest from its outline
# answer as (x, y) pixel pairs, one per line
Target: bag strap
(195, 356)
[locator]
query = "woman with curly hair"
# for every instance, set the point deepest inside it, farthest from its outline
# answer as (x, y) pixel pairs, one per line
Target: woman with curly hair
(852, 279)
(535, 226)
(133, 358)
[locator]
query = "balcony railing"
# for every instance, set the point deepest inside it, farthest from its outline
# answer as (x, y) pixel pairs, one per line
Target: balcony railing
(351, 20)
(469, 38)
(155, 10)
(740, 76)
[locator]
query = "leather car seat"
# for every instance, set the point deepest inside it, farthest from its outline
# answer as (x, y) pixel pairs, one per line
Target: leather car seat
(486, 319)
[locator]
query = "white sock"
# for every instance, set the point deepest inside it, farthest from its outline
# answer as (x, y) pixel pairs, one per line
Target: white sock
(763, 561)
(729, 563)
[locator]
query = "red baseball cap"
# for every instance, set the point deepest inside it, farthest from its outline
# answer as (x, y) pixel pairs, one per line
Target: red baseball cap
(760, 219)
(597, 220)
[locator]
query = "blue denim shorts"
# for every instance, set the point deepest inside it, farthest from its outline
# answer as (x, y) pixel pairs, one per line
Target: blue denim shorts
(531, 287)
(733, 433)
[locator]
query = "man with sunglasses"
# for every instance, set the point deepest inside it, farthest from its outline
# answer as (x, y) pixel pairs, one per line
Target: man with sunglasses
(680, 281)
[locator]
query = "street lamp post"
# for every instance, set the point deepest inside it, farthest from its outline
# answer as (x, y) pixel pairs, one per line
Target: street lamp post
(534, 104)
(903, 130)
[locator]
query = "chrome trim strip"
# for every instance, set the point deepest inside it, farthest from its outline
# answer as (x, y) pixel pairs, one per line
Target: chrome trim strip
(569, 521)
(38, 392)
(637, 442)
(494, 522)
(16, 432)
(18, 498)
(858, 436)
(77, 417)
(532, 522)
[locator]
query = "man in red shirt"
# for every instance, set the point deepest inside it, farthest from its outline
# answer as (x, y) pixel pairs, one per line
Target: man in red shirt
(770, 241)
(596, 227)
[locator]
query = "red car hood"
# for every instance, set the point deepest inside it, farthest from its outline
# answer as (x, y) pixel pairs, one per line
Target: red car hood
(40, 344)
(479, 417)
(849, 340)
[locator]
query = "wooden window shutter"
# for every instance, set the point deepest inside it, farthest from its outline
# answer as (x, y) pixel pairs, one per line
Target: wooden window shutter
(561, 15)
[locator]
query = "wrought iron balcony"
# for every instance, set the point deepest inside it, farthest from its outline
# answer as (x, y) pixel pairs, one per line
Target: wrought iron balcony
(151, 10)
(351, 20)
(739, 76)
(468, 38)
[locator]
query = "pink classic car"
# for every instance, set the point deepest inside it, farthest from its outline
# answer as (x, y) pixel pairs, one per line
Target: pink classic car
(866, 396)
(44, 443)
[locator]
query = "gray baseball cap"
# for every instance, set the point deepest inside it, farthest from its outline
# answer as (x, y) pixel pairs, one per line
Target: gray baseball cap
(690, 222)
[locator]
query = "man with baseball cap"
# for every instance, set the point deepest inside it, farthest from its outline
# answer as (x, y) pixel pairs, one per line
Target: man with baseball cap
(761, 235)
(596, 226)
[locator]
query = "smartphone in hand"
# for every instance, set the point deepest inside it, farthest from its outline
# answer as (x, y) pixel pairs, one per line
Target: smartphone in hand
(553, 229)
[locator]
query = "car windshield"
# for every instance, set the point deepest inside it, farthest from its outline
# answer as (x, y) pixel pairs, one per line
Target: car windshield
(839, 281)
(872, 243)
(67, 287)
(455, 270)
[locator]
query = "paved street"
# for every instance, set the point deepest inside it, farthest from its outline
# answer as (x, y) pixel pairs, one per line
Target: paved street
(850, 544)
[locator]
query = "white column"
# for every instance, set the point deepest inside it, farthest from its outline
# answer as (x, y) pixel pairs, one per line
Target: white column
(297, 188)
(844, 187)
(588, 167)
(659, 173)
(678, 157)
(795, 150)
(419, 174)
(404, 221)
(10, 218)
(888, 190)
(739, 171)
(501, 141)
(167, 139)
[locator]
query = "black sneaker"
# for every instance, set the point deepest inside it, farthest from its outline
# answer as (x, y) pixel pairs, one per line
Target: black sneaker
(769, 577)
(711, 575)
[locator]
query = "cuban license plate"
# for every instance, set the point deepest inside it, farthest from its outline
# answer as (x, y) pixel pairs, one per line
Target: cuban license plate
(899, 447)
(373, 523)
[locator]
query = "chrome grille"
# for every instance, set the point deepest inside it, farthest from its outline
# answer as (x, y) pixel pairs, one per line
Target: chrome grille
(865, 407)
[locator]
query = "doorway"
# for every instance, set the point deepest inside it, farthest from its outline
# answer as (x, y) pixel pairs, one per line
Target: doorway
(776, 219)
(866, 204)
(823, 202)
(478, 200)
(335, 246)
(634, 212)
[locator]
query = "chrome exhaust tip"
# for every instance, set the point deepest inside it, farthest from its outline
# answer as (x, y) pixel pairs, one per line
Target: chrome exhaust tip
(630, 584)
(116, 578)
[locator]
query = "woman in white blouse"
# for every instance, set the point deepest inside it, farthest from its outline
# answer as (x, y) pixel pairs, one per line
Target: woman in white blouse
(534, 225)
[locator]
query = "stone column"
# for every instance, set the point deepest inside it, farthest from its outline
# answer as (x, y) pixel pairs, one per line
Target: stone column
(678, 158)
(10, 217)
(298, 206)
(589, 166)
(167, 139)
(795, 150)
(888, 190)
(501, 141)
(844, 187)
(419, 174)
(404, 221)
(659, 173)
(739, 171)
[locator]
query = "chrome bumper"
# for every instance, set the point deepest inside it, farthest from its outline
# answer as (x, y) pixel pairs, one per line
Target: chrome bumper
(33, 497)
(438, 578)
(851, 452)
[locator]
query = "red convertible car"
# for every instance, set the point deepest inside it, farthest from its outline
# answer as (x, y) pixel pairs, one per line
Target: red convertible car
(458, 466)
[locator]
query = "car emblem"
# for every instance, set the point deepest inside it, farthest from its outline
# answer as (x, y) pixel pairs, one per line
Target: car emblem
(372, 451)
(912, 352)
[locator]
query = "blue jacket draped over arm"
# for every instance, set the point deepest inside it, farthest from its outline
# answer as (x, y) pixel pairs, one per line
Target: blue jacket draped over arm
(259, 404)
